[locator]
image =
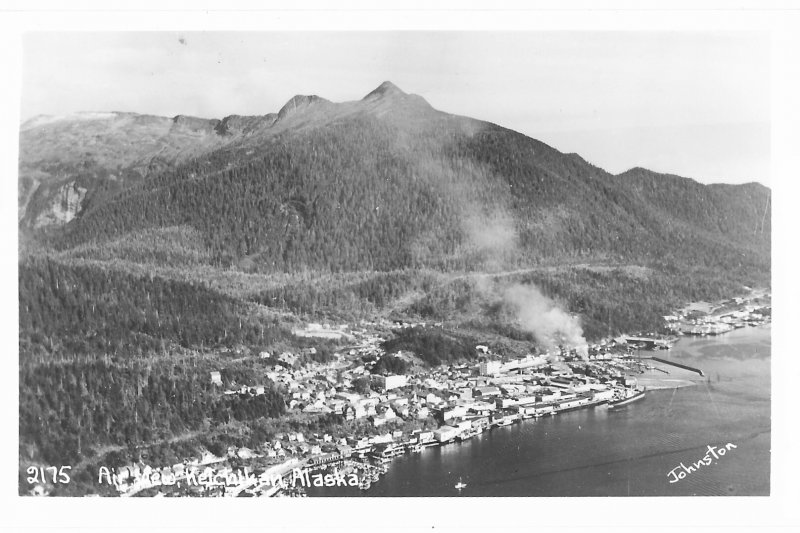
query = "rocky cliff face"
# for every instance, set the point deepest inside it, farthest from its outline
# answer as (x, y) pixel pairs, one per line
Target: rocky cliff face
(64, 207)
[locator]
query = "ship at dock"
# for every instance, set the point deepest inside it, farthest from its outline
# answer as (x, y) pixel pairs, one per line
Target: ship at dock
(629, 396)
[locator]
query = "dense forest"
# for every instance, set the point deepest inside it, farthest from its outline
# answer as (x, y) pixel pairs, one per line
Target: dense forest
(69, 310)
(433, 346)
(68, 410)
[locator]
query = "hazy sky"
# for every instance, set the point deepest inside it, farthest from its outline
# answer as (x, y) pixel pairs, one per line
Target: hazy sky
(694, 104)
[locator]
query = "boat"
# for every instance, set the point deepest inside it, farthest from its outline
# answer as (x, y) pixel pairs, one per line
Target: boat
(625, 400)
(460, 485)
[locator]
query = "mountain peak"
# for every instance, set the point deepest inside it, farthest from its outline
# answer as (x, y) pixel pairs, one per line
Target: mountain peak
(386, 88)
(300, 102)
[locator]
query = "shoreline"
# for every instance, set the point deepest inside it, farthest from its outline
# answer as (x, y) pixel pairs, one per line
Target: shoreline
(666, 384)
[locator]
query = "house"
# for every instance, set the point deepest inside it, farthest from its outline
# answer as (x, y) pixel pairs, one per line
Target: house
(216, 378)
(432, 399)
(245, 453)
(382, 439)
(401, 409)
(457, 411)
(384, 417)
(344, 450)
(317, 407)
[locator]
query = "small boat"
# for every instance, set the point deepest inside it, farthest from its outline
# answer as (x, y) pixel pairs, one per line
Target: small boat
(460, 485)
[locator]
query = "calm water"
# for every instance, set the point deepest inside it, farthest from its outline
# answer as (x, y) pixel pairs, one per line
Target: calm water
(599, 452)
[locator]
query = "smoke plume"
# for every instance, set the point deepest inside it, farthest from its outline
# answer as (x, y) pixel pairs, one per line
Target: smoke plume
(537, 314)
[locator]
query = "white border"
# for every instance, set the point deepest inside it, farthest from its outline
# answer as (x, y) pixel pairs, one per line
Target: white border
(599, 514)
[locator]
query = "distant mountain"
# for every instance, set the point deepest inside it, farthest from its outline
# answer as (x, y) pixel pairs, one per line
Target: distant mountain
(382, 183)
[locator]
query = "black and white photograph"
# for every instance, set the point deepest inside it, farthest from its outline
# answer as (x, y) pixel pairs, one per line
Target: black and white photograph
(509, 265)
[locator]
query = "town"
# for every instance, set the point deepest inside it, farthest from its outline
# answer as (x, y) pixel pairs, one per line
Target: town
(387, 415)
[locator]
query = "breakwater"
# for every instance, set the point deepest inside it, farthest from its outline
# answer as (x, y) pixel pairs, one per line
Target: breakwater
(679, 365)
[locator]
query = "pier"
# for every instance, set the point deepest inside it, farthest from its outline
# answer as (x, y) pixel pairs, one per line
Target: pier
(649, 342)
(679, 365)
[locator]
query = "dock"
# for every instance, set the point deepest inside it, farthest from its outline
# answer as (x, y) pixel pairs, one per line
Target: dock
(679, 365)
(649, 342)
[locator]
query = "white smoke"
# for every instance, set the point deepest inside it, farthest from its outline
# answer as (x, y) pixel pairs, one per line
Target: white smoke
(539, 315)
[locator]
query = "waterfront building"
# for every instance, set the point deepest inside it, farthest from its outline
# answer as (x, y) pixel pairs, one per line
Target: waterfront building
(445, 433)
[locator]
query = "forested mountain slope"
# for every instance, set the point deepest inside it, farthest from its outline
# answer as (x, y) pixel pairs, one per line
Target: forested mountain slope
(388, 182)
